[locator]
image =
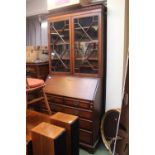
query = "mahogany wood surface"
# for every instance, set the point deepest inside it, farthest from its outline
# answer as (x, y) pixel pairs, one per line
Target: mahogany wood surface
(63, 117)
(70, 86)
(48, 139)
(47, 130)
(33, 118)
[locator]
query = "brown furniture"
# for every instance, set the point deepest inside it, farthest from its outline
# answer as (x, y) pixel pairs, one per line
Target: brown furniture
(82, 97)
(33, 118)
(37, 70)
(48, 140)
(76, 46)
(32, 85)
(76, 41)
(70, 123)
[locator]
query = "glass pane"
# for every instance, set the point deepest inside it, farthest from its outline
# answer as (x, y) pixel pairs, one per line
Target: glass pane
(86, 45)
(60, 48)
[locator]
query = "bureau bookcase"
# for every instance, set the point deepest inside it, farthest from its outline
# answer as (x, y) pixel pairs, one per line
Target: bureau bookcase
(76, 68)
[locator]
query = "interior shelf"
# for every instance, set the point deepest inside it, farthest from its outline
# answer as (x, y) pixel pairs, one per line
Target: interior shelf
(76, 42)
(76, 28)
(79, 59)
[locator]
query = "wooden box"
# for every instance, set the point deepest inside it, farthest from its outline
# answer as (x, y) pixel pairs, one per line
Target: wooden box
(70, 123)
(33, 119)
(48, 139)
(55, 4)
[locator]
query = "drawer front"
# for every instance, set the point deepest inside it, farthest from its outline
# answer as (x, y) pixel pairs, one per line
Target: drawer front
(55, 99)
(86, 136)
(86, 124)
(87, 114)
(77, 103)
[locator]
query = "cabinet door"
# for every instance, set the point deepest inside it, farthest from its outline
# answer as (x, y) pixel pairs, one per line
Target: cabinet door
(59, 36)
(86, 44)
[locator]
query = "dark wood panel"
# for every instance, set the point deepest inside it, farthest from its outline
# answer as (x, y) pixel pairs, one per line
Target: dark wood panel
(86, 124)
(70, 102)
(86, 136)
(74, 87)
(87, 114)
(77, 103)
(55, 99)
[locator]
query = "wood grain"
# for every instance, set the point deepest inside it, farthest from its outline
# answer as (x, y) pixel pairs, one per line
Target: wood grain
(48, 139)
(70, 86)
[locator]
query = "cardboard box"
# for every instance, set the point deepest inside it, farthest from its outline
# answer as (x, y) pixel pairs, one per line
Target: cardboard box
(55, 4)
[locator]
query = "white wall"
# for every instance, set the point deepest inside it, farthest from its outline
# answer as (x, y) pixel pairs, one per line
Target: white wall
(35, 7)
(115, 53)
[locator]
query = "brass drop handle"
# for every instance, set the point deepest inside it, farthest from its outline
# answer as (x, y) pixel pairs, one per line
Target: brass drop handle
(91, 106)
(77, 113)
(76, 103)
(53, 106)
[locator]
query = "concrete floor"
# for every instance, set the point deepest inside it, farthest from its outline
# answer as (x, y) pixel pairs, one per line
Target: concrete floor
(101, 150)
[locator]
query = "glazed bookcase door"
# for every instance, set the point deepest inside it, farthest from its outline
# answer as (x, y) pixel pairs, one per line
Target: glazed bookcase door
(60, 46)
(86, 44)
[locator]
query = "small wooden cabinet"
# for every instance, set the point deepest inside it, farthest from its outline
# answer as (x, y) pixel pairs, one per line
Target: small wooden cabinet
(76, 42)
(80, 96)
(37, 70)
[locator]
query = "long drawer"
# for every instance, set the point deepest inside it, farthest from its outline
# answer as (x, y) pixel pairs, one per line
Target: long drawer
(77, 103)
(86, 124)
(86, 114)
(86, 136)
(55, 99)
(70, 102)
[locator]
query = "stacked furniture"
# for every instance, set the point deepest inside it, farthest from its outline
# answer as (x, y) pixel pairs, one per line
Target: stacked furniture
(33, 119)
(75, 84)
(51, 135)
